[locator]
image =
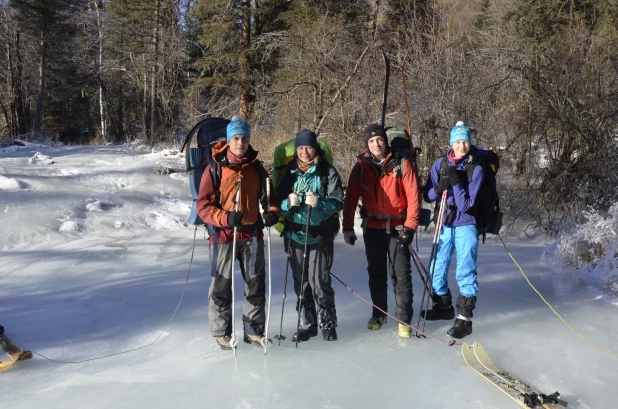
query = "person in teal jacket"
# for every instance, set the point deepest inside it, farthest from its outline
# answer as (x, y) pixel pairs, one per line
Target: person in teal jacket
(312, 181)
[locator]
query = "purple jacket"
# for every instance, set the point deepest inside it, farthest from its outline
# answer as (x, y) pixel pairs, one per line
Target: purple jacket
(461, 195)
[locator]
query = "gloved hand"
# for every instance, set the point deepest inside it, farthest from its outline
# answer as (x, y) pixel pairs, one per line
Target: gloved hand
(293, 200)
(270, 218)
(405, 237)
(444, 184)
(311, 199)
(349, 237)
(234, 219)
(453, 176)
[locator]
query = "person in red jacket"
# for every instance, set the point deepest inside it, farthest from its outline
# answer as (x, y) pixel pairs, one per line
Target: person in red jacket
(388, 186)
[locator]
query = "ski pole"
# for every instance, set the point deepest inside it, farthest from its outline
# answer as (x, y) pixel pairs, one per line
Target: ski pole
(432, 258)
(233, 339)
(285, 286)
(302, 275)
(419, 265)
(265, 341)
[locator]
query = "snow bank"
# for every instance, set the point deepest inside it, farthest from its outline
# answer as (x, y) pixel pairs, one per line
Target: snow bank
(11, 184)
(70, 227)
(592, 249)
(40, 159)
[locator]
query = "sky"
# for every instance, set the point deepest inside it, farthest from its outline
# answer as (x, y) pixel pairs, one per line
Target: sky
(94, 257)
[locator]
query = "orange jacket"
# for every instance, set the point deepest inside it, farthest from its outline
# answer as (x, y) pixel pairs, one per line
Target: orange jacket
(385, 191)
(252, 176)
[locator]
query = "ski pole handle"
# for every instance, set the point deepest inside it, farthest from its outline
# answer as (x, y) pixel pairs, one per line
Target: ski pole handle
(268, 180)
(237, 195)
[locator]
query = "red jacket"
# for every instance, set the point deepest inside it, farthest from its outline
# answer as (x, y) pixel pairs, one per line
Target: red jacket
(385, 191)
(251, 176)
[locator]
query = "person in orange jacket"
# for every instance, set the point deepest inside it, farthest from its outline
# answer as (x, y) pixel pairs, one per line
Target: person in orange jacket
(237, 160)
(387, 184)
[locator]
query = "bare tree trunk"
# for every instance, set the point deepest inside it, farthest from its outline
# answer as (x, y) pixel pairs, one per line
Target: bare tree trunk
(11, 117)
(36, 125)
(145, 119)
(153, 79)
(97, 5)
(243, 82)
(19, 103)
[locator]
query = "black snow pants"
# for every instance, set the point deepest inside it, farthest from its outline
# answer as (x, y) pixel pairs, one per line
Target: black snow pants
(379, 249)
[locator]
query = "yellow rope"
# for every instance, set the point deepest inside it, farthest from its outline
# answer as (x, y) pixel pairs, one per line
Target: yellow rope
(552, 308)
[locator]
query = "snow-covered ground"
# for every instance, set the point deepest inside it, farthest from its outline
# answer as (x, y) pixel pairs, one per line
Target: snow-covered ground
(94, 253)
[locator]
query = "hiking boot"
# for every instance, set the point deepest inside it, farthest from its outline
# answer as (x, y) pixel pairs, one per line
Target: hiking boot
(404, 331)
(461, 328)
(254, 339)
(329, 334)
(439, 313)
(224, 342)
(376, 322)
(305, 334)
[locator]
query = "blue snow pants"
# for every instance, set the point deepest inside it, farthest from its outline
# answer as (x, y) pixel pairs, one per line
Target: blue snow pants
(465, 241)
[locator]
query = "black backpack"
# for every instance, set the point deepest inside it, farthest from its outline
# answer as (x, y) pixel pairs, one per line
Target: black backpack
(486, 209)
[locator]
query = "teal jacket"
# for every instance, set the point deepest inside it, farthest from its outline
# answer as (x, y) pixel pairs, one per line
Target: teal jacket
(330, 200)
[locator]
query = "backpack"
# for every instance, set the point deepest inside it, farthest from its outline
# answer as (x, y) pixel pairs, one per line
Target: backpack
(486, 209)
(283, 155)
(209, 132)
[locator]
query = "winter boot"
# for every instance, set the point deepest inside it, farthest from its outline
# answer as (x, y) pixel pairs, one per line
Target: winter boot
(461, 328)
(442, 309)
(254, 339)
(305, 334)
(329, 334)
(404, 331)
(465, 305)
(376, 322)
(224, 342)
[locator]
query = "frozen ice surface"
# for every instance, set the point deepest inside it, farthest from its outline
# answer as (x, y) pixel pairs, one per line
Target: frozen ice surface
(94, 257)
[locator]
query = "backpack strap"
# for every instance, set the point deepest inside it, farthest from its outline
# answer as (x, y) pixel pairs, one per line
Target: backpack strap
(323, 172)
(215, 174)
(472, 163)
(443, 167)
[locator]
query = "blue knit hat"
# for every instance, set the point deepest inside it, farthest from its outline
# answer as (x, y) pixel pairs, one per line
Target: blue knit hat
(238, 127)
(460, 132)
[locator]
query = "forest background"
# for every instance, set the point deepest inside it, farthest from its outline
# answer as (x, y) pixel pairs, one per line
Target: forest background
(535, 80)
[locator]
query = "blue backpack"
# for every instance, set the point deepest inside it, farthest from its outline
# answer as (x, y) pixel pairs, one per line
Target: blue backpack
(209, 131)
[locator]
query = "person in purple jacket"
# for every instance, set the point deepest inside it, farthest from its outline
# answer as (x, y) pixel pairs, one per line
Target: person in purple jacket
(459, 232)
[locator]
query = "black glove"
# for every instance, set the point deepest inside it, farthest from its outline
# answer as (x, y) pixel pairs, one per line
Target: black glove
(270, 218)
(234, 219)
(453, 175)
(405, 237)
(444, 184)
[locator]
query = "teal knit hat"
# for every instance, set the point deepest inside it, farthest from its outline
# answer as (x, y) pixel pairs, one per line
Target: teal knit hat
(238, 127)
(460, 132)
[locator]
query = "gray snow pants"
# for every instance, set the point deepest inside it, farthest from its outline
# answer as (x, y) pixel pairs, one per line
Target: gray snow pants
(318, 296)
(220, 294)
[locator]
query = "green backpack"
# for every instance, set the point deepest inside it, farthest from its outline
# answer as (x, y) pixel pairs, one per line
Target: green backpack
(284, 153)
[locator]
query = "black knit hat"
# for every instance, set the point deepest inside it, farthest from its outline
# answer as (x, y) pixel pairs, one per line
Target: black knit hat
(374, 130)
(307, 138)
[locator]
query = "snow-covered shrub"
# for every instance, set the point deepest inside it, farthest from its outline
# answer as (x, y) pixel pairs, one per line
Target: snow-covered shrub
(592, 248)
